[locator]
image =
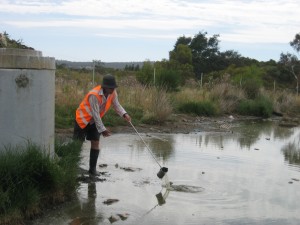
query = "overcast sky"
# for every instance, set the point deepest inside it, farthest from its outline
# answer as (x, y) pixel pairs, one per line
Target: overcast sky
(137, 30)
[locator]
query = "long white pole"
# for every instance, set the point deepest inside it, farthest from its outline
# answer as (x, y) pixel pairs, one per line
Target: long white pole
(154, 76)
(145, 144)
(93, 72)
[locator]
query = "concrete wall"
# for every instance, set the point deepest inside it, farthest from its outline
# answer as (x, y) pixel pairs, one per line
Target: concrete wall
(27, 99)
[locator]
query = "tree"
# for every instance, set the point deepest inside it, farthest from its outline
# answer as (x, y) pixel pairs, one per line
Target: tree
(182, 54)
(290, 63)
(183, 40)
(181, 60)
(204, 50)
(296, 43)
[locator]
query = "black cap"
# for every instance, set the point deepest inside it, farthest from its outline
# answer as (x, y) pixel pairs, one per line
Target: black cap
(109, 81)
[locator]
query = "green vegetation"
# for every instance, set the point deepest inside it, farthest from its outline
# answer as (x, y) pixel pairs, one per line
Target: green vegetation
(199, 108)
(256, 107)
(30, 180)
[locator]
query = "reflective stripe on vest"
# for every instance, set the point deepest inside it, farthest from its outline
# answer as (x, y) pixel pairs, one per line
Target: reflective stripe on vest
(84, 111)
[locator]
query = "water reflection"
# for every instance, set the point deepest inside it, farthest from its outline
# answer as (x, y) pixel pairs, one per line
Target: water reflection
(291, 151)
(85, 212)
(161, 147)
(161, 199)
(250, 132)
(282, 132)
(246, 135)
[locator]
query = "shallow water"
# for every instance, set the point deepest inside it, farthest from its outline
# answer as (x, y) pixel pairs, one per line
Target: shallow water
(247, 176)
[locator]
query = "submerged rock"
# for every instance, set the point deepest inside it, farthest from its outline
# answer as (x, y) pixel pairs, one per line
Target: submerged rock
(113, 219)
(117, 217)
(130, 169)
(184, 188)
(103, 165)
(110, 201)
(123, 216)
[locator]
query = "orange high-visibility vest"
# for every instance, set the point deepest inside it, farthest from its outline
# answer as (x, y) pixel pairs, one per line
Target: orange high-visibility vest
(84, 111)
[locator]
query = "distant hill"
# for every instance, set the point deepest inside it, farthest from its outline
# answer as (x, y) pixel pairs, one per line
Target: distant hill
(89, 65)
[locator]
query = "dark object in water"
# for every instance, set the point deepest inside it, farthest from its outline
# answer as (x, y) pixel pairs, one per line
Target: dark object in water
(160, 199)
(110, 201)
(162, 172)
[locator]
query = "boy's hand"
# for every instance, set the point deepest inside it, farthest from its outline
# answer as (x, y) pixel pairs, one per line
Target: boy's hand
(106, 133)
(127, 117)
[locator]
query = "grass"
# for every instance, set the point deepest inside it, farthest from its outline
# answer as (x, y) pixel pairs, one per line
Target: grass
(152, 105)
(30, 180)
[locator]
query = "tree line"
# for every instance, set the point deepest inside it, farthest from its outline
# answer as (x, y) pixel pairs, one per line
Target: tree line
(200, 56)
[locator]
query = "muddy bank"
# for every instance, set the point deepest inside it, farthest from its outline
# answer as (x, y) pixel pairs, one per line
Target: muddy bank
(183, 123)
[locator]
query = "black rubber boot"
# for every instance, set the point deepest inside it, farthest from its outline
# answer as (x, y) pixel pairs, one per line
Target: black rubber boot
(94, 153)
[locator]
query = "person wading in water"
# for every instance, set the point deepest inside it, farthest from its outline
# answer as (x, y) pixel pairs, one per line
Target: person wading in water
(89, 114)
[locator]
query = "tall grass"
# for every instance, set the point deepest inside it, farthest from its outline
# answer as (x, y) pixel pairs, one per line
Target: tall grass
(227, 97)
(153, 102)
(30, 180)
(148, 104)
(285, 102)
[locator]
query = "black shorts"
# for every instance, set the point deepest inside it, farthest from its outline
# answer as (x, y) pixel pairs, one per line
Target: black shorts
(90, 132)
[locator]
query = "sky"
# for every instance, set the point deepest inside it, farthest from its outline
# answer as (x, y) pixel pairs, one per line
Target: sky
(139, 30)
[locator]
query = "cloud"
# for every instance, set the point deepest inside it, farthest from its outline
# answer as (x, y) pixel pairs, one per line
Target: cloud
(249, 21)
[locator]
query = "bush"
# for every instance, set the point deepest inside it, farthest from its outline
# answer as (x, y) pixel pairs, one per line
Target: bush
(205, 108)
(257, 107)
(31, 180)
(168, 79)
(146, 75)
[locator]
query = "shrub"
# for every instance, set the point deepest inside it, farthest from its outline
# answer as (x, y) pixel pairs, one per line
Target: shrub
(146, 75)
(258, 107)
(205, 108)
(168, 79)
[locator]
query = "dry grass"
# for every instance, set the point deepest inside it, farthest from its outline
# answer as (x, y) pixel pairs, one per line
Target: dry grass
(153, 101)
(285, 102)
(157, 104)
(226, 96)
(187, 94)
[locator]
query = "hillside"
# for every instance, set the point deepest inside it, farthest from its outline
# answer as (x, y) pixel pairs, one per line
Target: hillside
(89, 65)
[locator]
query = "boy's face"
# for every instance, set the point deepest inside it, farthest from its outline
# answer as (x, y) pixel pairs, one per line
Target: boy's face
(109, 90)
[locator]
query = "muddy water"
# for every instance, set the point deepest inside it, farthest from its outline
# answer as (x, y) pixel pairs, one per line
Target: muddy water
(247, 176)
